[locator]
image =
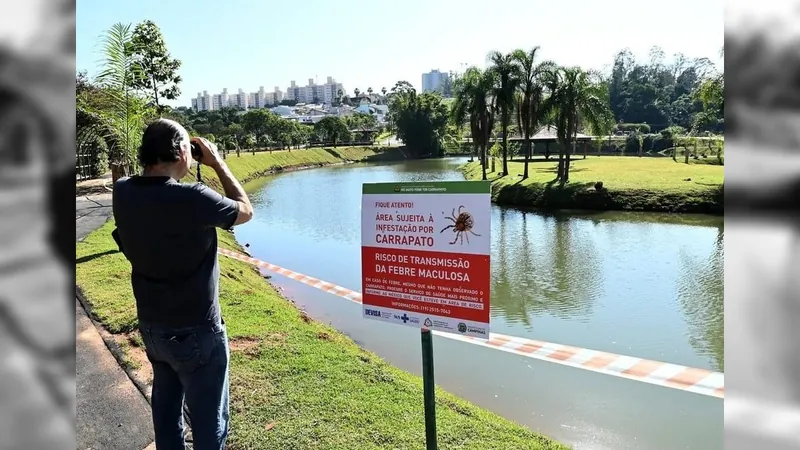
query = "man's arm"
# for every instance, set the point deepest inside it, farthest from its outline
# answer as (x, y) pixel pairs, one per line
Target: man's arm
(234, 191)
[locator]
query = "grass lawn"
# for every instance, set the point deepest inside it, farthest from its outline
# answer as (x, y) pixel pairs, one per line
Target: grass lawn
(630, 183)
(296, 383)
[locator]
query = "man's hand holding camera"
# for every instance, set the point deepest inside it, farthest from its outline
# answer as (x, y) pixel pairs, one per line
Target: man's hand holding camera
(209, 155)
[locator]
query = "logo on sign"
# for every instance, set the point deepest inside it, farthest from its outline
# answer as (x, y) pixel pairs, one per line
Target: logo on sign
(428, 323)
(462, 327)
(372, 312)
(477, 330)
(397, 188)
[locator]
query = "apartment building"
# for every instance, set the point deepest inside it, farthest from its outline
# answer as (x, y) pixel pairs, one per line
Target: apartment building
(435, 81)
(322, 93)
(273, 98)
(203, 102)
(313, 92)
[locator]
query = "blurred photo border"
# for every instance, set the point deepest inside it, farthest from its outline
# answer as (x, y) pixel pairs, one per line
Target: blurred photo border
(762, 243)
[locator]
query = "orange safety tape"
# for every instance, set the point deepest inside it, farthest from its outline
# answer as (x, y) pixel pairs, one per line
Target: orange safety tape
(699, 381)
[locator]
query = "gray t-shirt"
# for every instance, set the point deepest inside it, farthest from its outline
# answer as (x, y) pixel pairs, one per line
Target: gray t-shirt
(166, 229)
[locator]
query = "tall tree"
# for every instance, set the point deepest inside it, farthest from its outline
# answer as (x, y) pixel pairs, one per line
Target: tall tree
(332, 128)
(578, 98)
(158, 71)
(531, 99)
(259, 122)
(420, 119)
(508, 77)
(474, 102)
(124, 114)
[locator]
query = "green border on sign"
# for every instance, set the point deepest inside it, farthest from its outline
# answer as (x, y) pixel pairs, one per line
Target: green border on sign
(429, 187)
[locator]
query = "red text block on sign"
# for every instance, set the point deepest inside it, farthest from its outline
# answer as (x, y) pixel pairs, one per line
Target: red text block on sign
(453, 285)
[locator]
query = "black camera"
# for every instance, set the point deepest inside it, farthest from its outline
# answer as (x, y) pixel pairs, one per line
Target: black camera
(197, 154)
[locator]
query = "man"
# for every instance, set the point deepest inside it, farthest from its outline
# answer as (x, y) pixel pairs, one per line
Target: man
(166, 229)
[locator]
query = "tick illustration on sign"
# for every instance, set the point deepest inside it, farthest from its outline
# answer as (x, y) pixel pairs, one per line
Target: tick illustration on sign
(462, 224)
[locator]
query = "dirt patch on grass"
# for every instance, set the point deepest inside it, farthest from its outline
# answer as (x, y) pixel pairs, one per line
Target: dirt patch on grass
(324, 336)
(134, 359)
(248, 345)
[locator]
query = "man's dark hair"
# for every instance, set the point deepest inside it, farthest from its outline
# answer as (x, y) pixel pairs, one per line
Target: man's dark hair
(161, 143)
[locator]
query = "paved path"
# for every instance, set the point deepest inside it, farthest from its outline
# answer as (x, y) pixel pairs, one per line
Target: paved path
(111, 413)
(91, 212)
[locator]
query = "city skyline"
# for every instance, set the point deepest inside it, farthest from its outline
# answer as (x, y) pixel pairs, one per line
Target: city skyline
(394, 44)
(321, 92)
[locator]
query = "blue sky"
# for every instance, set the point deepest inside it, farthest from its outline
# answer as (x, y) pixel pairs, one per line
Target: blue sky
(249, 43)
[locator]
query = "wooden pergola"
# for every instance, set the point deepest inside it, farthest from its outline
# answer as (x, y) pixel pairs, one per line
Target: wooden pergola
(548, 135)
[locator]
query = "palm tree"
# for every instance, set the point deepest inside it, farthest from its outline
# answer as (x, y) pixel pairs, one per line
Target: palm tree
(262, 141)
(531, 98)
(124, 116)
(250, 142)
(340, 94)
(383, 91)
(474, 102)
(577, 98)
(369, 91)
(356, 91)
(508, 77)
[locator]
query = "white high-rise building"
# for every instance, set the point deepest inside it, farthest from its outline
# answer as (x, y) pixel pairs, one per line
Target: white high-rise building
(313, 92)
(273, 98)
(220, 101)
(239, 100)
(203, 102)
(323, 93)
(259, 98)
(434, 81)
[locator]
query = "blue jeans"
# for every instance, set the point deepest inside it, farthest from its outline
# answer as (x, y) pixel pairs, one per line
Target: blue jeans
(190, 364)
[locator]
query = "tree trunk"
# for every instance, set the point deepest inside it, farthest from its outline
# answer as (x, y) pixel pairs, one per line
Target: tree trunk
(547, 150)
(566, 168)
(117, 171)
(585, 148)
(686, 153)
(560, 172)
(483, 161)
(527, 151)
(505, 143)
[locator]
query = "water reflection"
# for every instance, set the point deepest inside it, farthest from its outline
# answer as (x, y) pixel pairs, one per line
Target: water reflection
(701, 294)
(559, 275)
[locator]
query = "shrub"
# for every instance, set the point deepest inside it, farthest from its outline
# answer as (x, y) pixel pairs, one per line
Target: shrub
(631, 127)
(96, 156)
(632, 144)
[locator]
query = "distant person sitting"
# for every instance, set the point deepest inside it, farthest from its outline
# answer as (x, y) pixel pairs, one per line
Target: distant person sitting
(166, 229)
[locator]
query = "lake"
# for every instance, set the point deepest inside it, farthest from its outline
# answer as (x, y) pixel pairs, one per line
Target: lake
(637, 284)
